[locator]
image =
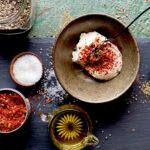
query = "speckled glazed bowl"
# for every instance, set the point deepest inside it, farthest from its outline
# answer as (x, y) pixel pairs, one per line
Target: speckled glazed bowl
(79, 84)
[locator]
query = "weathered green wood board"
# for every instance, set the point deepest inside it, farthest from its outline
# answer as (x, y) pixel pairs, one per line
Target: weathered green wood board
(52, 15)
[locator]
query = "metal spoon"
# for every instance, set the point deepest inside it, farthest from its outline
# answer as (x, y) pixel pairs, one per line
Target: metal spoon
(96, 51)
(118, 34)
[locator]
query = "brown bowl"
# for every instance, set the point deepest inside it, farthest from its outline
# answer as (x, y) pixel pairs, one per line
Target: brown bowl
(74, 80)
(12, 63)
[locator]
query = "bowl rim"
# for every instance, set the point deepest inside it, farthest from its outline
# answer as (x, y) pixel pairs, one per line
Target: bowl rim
(13, 61)
(69, 24)
(27, 104)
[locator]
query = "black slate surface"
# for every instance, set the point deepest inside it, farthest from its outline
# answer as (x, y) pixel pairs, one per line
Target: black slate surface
(123, 124)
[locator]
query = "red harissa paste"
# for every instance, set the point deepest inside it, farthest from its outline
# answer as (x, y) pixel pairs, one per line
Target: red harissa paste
(12, 111)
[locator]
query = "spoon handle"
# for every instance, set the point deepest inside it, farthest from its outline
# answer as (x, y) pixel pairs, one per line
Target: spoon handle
(131, 22)
(111, 39)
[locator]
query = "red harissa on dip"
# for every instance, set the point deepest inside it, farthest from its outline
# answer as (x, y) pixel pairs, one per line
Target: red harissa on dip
(104, 63)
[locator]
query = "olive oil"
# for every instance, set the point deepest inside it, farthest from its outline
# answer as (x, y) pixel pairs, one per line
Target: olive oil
(70, 127)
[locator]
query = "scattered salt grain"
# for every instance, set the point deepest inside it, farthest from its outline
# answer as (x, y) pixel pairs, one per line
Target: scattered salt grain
(96, 121)
(128, 112)
(133, 130)
(27, 70)
(102, 131)
(43, 117)
(98, 146)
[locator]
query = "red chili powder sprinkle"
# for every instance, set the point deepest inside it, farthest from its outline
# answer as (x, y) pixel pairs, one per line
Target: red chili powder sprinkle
(12, 111)
(48, 100)
(84, 55)
(104, 62)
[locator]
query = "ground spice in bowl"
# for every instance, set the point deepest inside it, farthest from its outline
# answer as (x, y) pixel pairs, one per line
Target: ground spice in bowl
(26, 69)
(13, 111)
(16, 15)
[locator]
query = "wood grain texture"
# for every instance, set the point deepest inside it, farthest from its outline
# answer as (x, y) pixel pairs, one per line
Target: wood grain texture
(123, 124)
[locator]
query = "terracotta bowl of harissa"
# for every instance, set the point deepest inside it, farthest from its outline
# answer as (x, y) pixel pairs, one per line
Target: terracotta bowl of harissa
(71, 76)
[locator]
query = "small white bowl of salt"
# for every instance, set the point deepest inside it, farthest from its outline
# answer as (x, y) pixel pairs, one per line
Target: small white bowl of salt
(26, 69)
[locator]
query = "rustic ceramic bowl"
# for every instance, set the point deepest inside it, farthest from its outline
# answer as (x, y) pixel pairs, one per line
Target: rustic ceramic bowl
(12, 63)
(74, 80)
(27, 104)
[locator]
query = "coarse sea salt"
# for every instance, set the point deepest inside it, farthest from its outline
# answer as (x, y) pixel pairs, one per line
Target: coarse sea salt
(27, 70)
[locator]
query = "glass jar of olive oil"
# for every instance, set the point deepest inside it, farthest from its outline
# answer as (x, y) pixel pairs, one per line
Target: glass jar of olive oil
(16, 16)
(70, 127)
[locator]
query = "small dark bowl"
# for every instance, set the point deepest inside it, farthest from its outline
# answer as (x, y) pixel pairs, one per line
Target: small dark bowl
(74, 80)
(12, 63)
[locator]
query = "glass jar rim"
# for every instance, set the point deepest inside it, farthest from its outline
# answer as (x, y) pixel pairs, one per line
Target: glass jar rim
(12, 18)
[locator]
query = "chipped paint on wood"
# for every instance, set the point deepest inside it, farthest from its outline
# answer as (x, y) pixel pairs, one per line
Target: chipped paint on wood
(52, 15)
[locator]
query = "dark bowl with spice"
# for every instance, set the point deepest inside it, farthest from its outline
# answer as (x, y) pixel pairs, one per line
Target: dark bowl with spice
(14, 110)
(79, 83)
(26, 69)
